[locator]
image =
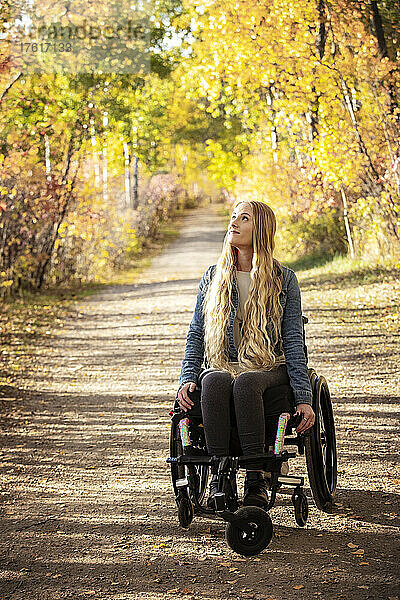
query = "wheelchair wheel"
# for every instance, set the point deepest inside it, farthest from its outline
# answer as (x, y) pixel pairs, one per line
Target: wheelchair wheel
(320, 446)
(300, 508)
(185, 512)
(199, 473)
(249, 544)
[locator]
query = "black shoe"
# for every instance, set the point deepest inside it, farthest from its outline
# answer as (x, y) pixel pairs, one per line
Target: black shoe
(213, 491)
(255, 489)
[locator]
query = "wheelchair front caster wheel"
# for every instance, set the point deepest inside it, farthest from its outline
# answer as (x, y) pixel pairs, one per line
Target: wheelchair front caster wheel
(185, 512)
(243, 542)
(300, 503)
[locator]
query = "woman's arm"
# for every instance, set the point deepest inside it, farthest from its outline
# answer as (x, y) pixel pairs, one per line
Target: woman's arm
(293, 343)
(194, 350)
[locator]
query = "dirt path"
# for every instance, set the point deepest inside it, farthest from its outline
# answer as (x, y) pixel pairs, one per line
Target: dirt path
(87, 504)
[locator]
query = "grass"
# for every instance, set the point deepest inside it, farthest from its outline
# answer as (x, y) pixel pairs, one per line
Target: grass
(343, 271)
(353, 293)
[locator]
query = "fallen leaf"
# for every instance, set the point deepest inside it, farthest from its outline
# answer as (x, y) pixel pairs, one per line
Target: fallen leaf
(351, 545)
(359, 552)
(298, 587)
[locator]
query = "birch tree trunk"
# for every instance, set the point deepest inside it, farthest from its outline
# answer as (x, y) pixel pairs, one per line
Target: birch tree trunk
(346, 222)
(127, 179)
(105, 159)
(135, 186)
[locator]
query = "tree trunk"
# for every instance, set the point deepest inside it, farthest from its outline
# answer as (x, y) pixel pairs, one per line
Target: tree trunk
(105, 159)
(346, 222)
(95, 157)
(322, 32)
(383, 51)
(135, 186)
(274, 131)
(47, 156)
(127, 170)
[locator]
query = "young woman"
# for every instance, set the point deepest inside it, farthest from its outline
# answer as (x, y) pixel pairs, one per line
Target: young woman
(247, 328)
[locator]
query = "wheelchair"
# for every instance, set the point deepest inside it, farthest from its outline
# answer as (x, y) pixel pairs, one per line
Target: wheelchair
(249, 529)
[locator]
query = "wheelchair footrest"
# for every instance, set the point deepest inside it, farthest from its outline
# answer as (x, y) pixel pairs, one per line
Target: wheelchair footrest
(184, 459)
(290, 480)
(182, 482)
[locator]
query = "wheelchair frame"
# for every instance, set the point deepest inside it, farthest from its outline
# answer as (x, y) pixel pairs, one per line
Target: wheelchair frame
(249, 529)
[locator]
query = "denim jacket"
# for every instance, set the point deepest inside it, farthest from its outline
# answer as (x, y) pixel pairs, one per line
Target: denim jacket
(291, 342)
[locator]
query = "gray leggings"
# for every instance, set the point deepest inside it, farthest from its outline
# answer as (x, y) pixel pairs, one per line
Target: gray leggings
(247, 397)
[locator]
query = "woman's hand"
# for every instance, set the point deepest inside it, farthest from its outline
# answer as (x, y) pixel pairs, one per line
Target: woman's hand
(183, 399)
(308, 417)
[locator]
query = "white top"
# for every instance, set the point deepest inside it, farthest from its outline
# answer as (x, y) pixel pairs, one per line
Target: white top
(243, 282)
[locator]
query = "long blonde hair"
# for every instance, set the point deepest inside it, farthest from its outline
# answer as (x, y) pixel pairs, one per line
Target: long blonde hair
(261, 328)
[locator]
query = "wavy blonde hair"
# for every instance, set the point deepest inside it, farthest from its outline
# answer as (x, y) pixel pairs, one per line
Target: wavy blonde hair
(261, 328)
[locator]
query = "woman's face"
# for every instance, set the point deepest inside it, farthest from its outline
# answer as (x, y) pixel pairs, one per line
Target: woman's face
(240, 231)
